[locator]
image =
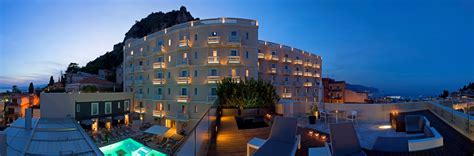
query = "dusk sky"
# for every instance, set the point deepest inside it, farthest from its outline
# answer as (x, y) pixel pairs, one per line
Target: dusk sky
(407, 47)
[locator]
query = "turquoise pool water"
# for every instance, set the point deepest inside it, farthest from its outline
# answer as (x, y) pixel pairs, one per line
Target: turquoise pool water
(129, 147)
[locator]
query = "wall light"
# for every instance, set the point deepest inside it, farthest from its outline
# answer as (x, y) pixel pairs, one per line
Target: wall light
(385, 126)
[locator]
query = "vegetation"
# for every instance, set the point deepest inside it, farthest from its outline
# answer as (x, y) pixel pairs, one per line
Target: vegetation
(31, 88)
(89, 89)
(15, 89)
(469, 87)
(249, 93)
(445, 94)
(51, 81)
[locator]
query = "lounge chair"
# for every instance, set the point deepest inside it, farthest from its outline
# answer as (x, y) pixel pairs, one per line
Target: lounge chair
(282, 140)
(344, 140)
(414, 124)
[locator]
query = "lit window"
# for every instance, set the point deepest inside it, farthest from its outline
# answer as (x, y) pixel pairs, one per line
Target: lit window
(141, 49)
(118, 105)
(246, 73)
(94, 108)
(169, 58)
(169, 42)
(131, 52)
(127, 105)
(195, 108)
(108, 107)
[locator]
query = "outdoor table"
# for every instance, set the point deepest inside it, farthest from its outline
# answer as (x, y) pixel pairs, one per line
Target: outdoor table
(336, 113)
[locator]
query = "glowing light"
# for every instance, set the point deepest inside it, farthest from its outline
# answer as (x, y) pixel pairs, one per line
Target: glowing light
(323, 137)
(310, 133)
(385, 127)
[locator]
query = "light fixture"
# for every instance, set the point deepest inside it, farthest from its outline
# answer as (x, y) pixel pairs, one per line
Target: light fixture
(310, 133)
(385, 127)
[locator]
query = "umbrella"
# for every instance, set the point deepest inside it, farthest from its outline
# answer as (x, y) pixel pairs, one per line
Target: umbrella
(119, 117)
(157, 129)
(86, 122)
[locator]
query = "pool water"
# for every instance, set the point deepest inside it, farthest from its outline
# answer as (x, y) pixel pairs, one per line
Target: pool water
(129, 147)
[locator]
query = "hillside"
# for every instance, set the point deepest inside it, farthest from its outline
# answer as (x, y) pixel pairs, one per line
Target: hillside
(152, 23)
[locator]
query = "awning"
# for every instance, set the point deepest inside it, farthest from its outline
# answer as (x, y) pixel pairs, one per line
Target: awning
(86, 122)
(119, 117)
(157, 129)
(104, 120)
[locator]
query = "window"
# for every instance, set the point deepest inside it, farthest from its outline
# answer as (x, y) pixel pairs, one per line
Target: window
(247, 54)
(286, 79)
(213, 91)
(169, 107)
(273, 65)
(118, 104)
(184, 91)
(286, 67)
(273, 53)
(94, 108)
(195, 55)
(169, 58)
(140, 63)
(195, 37)
(184, 73)
(169, 91)
(247, 35)
(78, 108)
(246, 73)
(233, 33)
(159, 91)
(160, 59)
(141, 105)
(213, 72)
(195, 108)
(214, 33)
(126, 105)
(195, 73)
(169, 42)
(169, 75)
(195, 91)
(108, 107)
(234, 52)
(148, 90)
(159, 75)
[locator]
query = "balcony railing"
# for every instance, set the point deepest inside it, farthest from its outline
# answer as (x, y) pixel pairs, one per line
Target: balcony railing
(182, 98)
(184, 80)
(213, 60)
(212, 98)
(183, 44)
(308, 64)
(298, 73)
(275, 58)
(179, 116)
(159, 65)
(316, 75)
(287, 60)
(213, 79)
(309, 74)
(297, 61)
(234, 41)
(158, 49)
(317, 66)
(159, 113)
(308, 84)
(159, 81)
(286, 95)
(261, 55)
(213, 39)
(158, 97)
(272, 71)
(233, 59)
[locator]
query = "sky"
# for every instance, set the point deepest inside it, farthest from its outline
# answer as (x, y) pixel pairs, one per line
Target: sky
(404, 47)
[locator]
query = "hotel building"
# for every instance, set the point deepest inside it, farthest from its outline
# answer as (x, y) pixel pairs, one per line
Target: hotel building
(174, 72)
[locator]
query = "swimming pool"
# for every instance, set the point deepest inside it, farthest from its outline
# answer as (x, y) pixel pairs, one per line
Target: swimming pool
(129, 147)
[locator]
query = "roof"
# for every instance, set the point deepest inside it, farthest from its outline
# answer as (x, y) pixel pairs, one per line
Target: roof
(49, 137)
(94, 80)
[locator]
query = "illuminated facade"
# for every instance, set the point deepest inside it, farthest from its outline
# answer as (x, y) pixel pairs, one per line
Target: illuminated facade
(173, 73)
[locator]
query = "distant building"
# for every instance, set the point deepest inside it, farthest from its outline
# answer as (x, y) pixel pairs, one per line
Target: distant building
(104, 73)
(337, 92)
(119, 75)
(77, 77)
(90, 81)
(17, 104)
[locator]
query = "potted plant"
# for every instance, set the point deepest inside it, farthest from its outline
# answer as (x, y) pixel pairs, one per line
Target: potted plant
(312, 116)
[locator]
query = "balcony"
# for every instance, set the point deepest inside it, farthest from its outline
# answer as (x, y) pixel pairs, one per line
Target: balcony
(158, 49)
(138, 82)
(139, 110)
(184, 62)
(212, 98)
(159, 113)
(317, 66)
(286, 95)
(182, 98)
(213, 60)
(272, 71)
(213, 40)
(159, 65)
(234, 41)
(286, 60)
(213, 79)
(183, 44)
(308, 84)
(139, 95)
(317, 75)
(275, 58)
(159, 81)
(308, 74)
(298, 73)
(297, 61)
(158, 97)
(139, 69)
(233, 59)
(308, 64)
(261, 55)
(179, 116)
(236, 79)
(184, 80)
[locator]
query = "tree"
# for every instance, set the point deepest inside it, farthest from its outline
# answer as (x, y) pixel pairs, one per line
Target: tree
(445, 94)
(246, 94)
(72, 68)
(51, 81)
(31, 88)
(15, 89)
(89, 89)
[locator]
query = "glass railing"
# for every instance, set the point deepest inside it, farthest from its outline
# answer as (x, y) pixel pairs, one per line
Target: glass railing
(461, 120)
